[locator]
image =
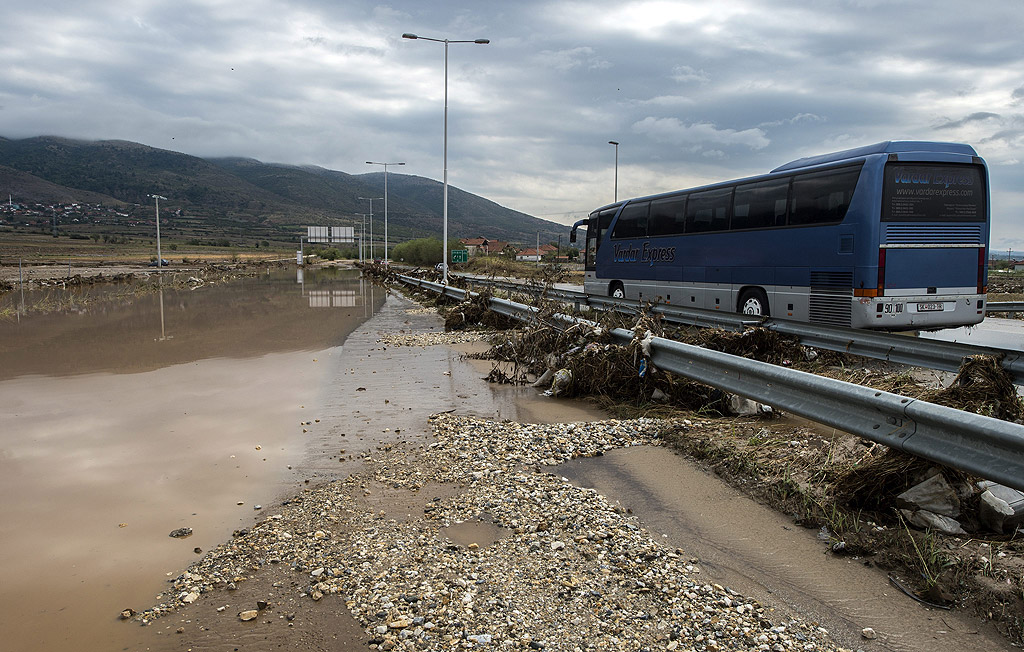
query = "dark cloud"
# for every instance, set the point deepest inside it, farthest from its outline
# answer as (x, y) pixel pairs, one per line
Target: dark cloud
(974, 117)
(694, 92)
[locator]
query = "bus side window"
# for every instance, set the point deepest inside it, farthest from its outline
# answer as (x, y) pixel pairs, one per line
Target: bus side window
(760, 205)
(632, 222)
(822, 197)
(708, 210)
(667, 216)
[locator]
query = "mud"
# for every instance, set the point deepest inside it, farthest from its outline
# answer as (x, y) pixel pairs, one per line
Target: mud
(761, 553)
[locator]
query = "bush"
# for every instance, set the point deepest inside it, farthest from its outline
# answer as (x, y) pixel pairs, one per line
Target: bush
(422, 251)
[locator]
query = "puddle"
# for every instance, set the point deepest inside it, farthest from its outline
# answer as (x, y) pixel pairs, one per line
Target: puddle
(471, 534)
(123, 421)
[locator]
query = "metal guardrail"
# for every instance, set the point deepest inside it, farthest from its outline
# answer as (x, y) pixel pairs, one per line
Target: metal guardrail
(918, 352)
(983, 446)
(1004, 306)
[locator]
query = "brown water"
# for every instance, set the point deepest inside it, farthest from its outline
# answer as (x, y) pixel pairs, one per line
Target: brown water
(120, 422)
(123, 420)
(762, 554)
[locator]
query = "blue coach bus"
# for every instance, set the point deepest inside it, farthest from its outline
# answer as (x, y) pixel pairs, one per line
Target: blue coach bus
(889, 236)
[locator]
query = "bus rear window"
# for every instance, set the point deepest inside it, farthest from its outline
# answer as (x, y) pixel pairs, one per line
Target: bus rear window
(922, 192)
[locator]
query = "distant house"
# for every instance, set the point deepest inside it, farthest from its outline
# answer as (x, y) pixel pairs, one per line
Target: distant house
(530, 255)
(483, 246)
(1017, 265)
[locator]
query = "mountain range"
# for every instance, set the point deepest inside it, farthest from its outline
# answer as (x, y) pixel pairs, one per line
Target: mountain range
(242, 190)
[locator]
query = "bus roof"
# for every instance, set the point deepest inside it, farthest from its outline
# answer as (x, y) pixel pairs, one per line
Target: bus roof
(887, 147)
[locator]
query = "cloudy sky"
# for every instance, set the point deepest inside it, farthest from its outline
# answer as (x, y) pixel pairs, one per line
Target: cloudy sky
(694, 92)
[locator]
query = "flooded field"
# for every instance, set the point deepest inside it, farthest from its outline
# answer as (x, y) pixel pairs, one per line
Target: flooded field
(122, 420)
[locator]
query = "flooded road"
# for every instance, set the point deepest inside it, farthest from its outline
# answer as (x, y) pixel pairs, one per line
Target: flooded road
(994, 332)
(121, 421)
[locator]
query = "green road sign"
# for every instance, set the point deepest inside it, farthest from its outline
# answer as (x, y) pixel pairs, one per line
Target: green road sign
(460, 255)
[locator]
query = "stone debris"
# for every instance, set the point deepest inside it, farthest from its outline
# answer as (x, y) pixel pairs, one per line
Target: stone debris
(571, 571)
(430, 339)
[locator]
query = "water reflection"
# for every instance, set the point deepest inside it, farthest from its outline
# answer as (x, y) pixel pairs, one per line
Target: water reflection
(116, 329)
(125, 416)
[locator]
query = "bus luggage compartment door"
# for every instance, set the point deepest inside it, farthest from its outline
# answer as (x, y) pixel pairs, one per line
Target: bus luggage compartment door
(930, 270)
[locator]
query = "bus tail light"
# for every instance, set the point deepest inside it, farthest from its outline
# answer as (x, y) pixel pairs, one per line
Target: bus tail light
(982, 289)
(881, 273)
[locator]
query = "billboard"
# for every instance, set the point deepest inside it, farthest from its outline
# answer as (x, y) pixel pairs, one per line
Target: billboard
(331, 234)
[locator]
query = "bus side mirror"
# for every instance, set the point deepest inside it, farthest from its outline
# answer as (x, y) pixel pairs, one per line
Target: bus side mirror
(572, 236)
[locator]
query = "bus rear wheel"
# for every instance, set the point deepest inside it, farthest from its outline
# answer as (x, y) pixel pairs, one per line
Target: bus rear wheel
(754, 302)
(616, 291)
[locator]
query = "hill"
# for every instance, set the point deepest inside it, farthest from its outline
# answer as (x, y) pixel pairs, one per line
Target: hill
(241, 195)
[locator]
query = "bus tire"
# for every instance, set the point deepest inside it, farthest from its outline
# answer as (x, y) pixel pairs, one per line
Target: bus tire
(616, 291)
(753, 301)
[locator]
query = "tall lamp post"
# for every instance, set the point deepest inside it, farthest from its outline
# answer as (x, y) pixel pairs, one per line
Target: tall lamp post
(371, 223)
(444, 241)
(385, 203)
(159, 257)
(613, 142)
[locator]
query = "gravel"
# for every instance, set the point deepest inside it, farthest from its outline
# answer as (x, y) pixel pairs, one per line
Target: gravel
(570, 571)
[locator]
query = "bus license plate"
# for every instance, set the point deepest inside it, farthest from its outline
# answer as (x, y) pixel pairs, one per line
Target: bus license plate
(892, 308)
(929, 307)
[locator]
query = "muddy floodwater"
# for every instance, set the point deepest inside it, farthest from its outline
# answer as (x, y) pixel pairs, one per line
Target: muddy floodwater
(123, 418)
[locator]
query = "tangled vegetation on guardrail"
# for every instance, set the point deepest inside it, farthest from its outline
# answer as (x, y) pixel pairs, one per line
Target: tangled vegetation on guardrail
(841, 485)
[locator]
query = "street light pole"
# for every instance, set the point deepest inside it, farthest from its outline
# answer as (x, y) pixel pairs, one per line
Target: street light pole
(444, 241)
(159, 257)
(612, 142)
(385, 203)
(371, 222)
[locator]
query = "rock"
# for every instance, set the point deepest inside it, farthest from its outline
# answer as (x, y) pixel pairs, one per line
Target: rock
(934, 495)
(922, 518)
(1013, 498)
(868, 633)
(994, 511)
(741, 407)
(181, 533)
(251, 614)
(658, 395)
(190, 598)
(480, 639)
(127, 613)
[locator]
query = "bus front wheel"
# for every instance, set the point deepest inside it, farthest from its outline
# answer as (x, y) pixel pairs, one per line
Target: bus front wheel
(616, 291)
(754, 302)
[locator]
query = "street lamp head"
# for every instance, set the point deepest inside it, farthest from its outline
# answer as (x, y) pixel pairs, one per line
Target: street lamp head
(408, 35)
(482, 41)
(613, 142)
